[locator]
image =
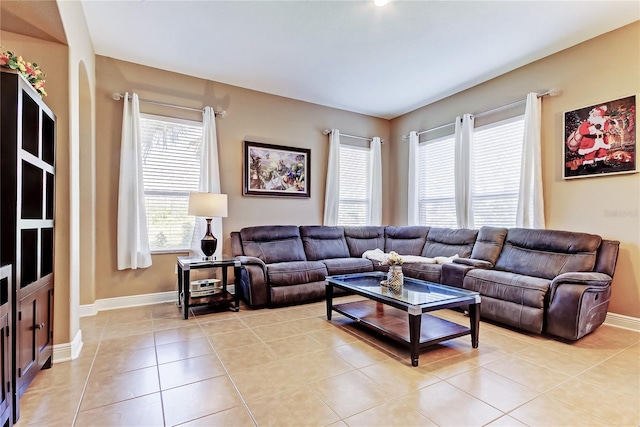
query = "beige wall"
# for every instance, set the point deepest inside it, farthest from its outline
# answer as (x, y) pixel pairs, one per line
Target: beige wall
(52, 59)
(601, 69)
(251, 115)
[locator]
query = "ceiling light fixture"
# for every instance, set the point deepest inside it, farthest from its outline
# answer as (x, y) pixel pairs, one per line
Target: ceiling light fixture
(380, 3)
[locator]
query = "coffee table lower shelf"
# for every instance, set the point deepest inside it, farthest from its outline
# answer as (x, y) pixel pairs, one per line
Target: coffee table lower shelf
(395, 323)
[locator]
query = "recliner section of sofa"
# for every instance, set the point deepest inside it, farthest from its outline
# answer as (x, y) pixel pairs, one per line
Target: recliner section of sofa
(545, 281)
(276, 267)
(551, 281)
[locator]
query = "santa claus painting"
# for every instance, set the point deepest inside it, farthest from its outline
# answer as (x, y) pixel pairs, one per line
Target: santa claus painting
(600, 139)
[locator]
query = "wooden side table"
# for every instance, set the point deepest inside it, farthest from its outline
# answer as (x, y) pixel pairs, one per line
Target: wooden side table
(229, 296)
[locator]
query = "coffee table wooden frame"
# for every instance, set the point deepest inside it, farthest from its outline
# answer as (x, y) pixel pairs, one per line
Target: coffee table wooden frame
(402, 321)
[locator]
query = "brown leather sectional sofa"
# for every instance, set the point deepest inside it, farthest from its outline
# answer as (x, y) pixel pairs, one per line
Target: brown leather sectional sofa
(551, 281)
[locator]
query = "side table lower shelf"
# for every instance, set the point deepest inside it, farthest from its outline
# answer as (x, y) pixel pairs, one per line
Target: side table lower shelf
(213, 300)
(227, 296)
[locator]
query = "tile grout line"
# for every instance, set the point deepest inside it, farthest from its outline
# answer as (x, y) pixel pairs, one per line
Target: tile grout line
(155, 350)
(86, 381)
(228, 375)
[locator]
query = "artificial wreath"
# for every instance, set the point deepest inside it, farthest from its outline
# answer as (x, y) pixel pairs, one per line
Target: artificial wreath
(30, 70)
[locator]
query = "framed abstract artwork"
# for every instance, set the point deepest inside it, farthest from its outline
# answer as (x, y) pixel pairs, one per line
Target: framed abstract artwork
(600, 139)
(276, 170)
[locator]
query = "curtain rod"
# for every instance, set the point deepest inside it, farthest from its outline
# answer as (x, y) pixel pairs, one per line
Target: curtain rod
(550, 92)
(118, 96)
(327, 132)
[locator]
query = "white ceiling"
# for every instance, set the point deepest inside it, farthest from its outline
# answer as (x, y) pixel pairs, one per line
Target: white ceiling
(352, 55)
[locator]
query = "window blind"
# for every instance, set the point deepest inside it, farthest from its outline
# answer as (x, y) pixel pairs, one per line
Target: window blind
(497, 154)
(171, 168)
(436, 183)
(354, 203)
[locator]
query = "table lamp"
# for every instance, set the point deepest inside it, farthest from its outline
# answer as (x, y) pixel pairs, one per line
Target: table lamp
(208, 205)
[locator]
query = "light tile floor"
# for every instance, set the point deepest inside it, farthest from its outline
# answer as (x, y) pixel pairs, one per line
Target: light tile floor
(146, 366)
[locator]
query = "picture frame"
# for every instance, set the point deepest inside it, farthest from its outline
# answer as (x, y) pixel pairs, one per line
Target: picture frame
(600, 139)
(276, 170)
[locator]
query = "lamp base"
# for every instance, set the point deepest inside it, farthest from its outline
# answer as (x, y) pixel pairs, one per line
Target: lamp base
(208, 243)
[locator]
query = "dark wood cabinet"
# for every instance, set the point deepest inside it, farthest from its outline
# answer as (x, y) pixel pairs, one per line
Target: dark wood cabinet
(27, 194)
(35, 334)
(6, 353)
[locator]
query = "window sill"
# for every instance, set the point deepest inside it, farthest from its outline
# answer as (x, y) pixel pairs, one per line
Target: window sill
(171, 251)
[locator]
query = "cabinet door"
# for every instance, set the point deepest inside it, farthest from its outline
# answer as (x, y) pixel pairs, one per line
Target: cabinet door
(5, 373)
(35, 335)
(26, 354)
(44, 326)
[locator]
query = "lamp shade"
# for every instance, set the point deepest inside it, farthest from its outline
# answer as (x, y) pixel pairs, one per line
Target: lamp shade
(207, 205)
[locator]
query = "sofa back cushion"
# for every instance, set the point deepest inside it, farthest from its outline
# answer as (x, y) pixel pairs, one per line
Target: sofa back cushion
(449, 242)
(361, 239)
(489, 244)
(547, 253)
(321, 242)
(405, 240)
(607, 257)
(273, 243)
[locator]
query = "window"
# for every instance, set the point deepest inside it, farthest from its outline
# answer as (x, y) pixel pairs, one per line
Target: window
(355, 188)
(497, 153)
(171, 168)
(437, 205)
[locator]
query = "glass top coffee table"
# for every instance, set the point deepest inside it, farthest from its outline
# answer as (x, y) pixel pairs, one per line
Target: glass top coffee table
(402, 315)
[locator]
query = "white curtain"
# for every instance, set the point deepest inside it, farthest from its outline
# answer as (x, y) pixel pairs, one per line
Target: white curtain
(375, 178)
(332, 189)
(463, 170)
(133, 240)
(209, 181)
(413, 185)
(530, 211)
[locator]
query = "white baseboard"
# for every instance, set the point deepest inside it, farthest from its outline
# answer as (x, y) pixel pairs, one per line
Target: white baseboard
(621, 321)
(68, 351)
(124, 302)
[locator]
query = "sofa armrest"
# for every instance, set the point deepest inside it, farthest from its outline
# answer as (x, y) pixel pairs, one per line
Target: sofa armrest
(578, 303)
(253, 282)
(475, 263)
(251, 260)
(587, 279)
(453, 274)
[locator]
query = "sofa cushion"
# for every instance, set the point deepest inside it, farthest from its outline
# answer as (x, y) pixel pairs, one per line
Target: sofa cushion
(362, 239)
(322, 242)
(275, 243)
(297, 294)
(336, 266)
(448, 242)
(405, 240)
(489, 244)
(547, 253)
(295, 273)
(513, 314)
(426, 272)
(506, 286)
